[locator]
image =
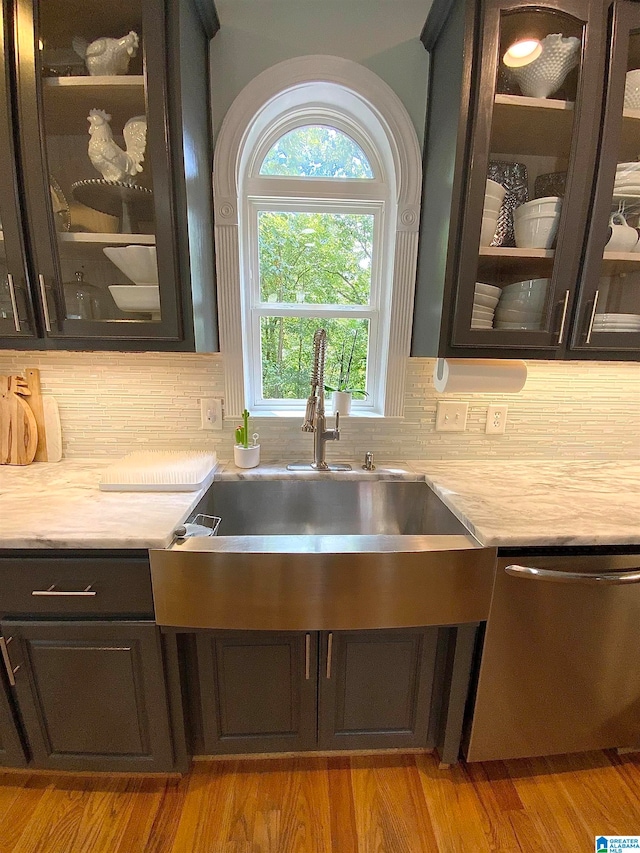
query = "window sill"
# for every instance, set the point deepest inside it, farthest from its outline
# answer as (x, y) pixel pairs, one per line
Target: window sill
(299, 414)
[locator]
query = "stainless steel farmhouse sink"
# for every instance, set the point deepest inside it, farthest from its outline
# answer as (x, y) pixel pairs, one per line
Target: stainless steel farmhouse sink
(300, 554)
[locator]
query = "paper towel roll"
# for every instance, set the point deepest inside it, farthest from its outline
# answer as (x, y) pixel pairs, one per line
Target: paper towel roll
(479, 375)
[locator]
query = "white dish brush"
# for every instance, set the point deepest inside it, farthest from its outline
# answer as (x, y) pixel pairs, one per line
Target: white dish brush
(160, 471)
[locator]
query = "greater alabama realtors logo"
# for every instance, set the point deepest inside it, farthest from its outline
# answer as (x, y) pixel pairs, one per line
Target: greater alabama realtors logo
(616, 843)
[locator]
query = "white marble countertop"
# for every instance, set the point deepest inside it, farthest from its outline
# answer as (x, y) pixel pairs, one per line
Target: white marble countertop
(508, 504)
(59, 505)
(540, 502)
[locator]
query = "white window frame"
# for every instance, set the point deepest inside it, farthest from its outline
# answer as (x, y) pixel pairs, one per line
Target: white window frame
(339, 93)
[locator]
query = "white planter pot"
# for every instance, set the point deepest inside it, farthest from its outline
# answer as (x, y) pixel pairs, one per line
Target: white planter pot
(246, 457)
(341, 403)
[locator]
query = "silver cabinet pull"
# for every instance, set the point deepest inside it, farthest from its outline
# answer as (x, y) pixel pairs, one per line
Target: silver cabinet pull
(14, 303)
(75, 593)
(307, 656)
(329, 654)
(593, 315)
(564, 316)
(7, 661)
(606, 579)
(45, 307)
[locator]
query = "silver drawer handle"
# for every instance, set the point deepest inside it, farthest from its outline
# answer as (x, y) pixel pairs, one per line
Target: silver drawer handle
(329, 654)
(7, 661)
(14, 302)
(609, 578)
(593, 316)
(564, 316)
(53, 591)
(45, 304)
(307, 656)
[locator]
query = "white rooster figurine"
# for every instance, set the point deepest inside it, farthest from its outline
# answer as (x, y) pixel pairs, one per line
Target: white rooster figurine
(107, 56)
(109, 159)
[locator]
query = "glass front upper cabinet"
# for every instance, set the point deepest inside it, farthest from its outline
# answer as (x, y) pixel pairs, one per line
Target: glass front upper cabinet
(16, 308)
(89, 155)
(608, 314)
(528, 188)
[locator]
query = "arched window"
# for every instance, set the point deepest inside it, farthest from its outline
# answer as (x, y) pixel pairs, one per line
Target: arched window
(316, 176)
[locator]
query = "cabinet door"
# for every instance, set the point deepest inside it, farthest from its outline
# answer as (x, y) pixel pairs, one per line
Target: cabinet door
(527, 161)
(92, 695)
(99, 195)
(375, 688)
(258, 691)
(607, 319)
(12, 752)
(16, 309)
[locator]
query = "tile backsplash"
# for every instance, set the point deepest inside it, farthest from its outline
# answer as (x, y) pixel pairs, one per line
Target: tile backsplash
(111, 404)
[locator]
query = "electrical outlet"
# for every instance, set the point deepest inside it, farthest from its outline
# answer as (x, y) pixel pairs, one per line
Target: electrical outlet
(496, 418)
(211, 413)
(451, 417)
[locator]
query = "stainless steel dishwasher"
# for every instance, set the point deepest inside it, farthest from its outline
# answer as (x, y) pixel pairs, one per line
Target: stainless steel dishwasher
(560, 667)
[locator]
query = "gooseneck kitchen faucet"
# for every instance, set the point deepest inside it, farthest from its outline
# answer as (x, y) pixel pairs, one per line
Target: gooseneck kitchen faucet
(314, 418)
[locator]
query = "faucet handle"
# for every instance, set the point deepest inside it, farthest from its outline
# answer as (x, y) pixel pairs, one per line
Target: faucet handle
(368, 461)
(337, 422)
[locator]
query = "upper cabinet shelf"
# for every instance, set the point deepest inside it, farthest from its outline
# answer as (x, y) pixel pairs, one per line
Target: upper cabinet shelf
(534, 126)
(68, 100)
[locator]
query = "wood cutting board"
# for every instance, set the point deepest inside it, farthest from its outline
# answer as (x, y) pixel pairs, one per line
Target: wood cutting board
(18, 428)
(45, 410)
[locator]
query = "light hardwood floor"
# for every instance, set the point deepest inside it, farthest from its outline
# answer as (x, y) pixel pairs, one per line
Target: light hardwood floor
(381, 804)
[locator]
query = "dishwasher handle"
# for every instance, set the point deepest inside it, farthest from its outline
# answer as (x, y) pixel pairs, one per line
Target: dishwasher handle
(606, 579)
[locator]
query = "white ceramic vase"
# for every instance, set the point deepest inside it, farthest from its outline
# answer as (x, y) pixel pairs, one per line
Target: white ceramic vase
(341, 403)
(246, 457)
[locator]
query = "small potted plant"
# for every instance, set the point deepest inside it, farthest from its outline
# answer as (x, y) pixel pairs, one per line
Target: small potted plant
(245, 455)
(342, 393)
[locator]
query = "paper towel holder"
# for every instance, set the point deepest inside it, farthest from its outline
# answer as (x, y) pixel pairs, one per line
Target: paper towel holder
(479, 375)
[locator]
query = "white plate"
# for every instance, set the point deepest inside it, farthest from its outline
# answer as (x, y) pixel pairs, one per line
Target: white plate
(612, 325)
(622, 318)
(487, 289)
(483, 312)
(620, 331)
(628, 167)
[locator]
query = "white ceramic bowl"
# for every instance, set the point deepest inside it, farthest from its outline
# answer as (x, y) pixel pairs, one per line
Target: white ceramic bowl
(136, 297)
(550, 204)
(485, 301)
(526, 286)
(487, 289)
(632, 90)
(488, 230)
(516, 315)
(477, 316)
(481, 324)
(137, 262)
(495, 190)
(536, 231)
(491, 206)
(544, 75)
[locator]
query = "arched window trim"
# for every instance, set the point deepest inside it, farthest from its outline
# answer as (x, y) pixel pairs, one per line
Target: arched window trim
(285, 93)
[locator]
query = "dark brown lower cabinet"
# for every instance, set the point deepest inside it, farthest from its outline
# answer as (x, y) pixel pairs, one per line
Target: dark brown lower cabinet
(12, 752)
(375, 688)
(91, 695)
(259, 690)
(278, 692)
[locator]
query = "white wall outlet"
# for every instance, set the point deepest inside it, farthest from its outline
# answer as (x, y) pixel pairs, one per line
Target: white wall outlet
(451, 417)
(496, 418)
(211, 413)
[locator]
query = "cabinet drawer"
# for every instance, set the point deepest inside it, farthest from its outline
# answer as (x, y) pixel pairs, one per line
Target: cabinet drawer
(50, 585)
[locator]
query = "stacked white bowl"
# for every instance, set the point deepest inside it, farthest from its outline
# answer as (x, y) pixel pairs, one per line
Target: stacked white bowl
(485, 299)
(493, 197)
(616, 323)
(536, 222)
(627, 181)
(521, 305)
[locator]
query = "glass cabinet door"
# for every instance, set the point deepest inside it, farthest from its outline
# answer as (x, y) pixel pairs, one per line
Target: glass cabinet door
(87, 133)
(16, 310)
(608, 313)
(528, 189)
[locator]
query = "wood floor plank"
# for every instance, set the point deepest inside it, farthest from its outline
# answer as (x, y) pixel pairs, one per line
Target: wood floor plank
(55, 821)
(453, 806)
(136, 837)
(589, 780)
(359, 804)
(390, 811)
(552, 812)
